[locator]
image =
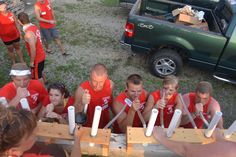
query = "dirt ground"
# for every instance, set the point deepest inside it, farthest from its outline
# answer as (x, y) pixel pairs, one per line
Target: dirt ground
(90, 31)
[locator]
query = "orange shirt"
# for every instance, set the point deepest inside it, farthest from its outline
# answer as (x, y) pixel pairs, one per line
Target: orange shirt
(136, 122)
(40, 54)
(168, 110)
(45, 13)
(38, 94)
(8, 29)
(101, 98)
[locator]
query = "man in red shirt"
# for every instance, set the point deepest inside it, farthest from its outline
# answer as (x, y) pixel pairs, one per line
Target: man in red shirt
(47, 22)
(166, 99)
(34, 46)
(134, 98)
(23, 87)
(10, 32)
(200, 102)
(95, 92)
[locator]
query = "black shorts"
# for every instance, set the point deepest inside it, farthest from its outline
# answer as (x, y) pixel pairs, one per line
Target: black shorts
(37, 71)
(12, 41)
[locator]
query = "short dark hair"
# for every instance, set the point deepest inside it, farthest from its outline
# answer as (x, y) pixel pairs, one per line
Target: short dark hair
(24, 18)
(135, 79)
(204, 87)
(61, 87)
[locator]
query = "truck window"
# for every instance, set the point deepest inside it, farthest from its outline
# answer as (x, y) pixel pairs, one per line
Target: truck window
(224, 16)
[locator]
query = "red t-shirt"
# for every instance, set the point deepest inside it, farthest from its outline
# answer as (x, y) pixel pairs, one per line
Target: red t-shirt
(68, 102)
(40, 54)
(38, 94)
(136, 122)
(35, 155)
(168, 110)
(8, 29)
(45, 13)
(101, 98)
(198, 121)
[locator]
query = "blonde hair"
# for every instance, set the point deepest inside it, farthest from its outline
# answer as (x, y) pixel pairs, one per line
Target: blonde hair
(171, 79)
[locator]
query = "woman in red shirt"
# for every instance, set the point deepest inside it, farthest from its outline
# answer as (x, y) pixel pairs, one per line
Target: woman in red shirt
(60, 100)
(10, 32)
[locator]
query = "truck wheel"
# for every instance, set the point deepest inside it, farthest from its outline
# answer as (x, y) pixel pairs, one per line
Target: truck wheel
(166, 62)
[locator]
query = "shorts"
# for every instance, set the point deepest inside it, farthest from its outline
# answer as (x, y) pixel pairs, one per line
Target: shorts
(37, 71)
(12, 41)
(50, 33)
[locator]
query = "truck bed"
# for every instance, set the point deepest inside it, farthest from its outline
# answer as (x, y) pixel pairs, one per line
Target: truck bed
(162, 10)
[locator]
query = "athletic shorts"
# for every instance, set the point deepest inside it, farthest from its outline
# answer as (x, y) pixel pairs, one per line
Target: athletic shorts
(37, 71)
(12, 41)
(50, 33)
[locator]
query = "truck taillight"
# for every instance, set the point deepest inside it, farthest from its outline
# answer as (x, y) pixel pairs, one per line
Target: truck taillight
(129, 29)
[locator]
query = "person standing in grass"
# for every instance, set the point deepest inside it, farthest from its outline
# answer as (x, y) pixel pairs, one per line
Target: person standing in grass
(47, 22)
(10, 32)
(34, 46)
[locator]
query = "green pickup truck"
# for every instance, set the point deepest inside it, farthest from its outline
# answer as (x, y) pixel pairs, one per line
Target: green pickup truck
(151, 29)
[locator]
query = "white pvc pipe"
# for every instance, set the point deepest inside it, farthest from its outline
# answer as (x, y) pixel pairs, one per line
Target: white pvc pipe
(230, 130)
(213, 124)
(151, 122)
(204, 119)
(24, 104)
(3, 101)
(96, 119)
(71, 117)
(85, 108)
(162, 112)
(173, 123)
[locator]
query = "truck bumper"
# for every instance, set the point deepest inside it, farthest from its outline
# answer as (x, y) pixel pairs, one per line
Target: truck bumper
(124, 45)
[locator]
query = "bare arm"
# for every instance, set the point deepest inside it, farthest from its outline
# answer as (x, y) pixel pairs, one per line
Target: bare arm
(185, 118)
(53, 14)
(37, 13)
(78, 100)
(76, 150)
(148, 107)
(124, 119)
(31, 39)
(179, 106)
(177, 147)
(215, 149)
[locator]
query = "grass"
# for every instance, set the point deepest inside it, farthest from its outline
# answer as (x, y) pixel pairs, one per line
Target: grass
(110, 3)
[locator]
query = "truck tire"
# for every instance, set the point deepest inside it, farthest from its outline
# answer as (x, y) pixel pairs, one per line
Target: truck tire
(166, 62)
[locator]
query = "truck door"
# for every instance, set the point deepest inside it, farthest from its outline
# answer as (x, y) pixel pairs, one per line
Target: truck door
(226, 67)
